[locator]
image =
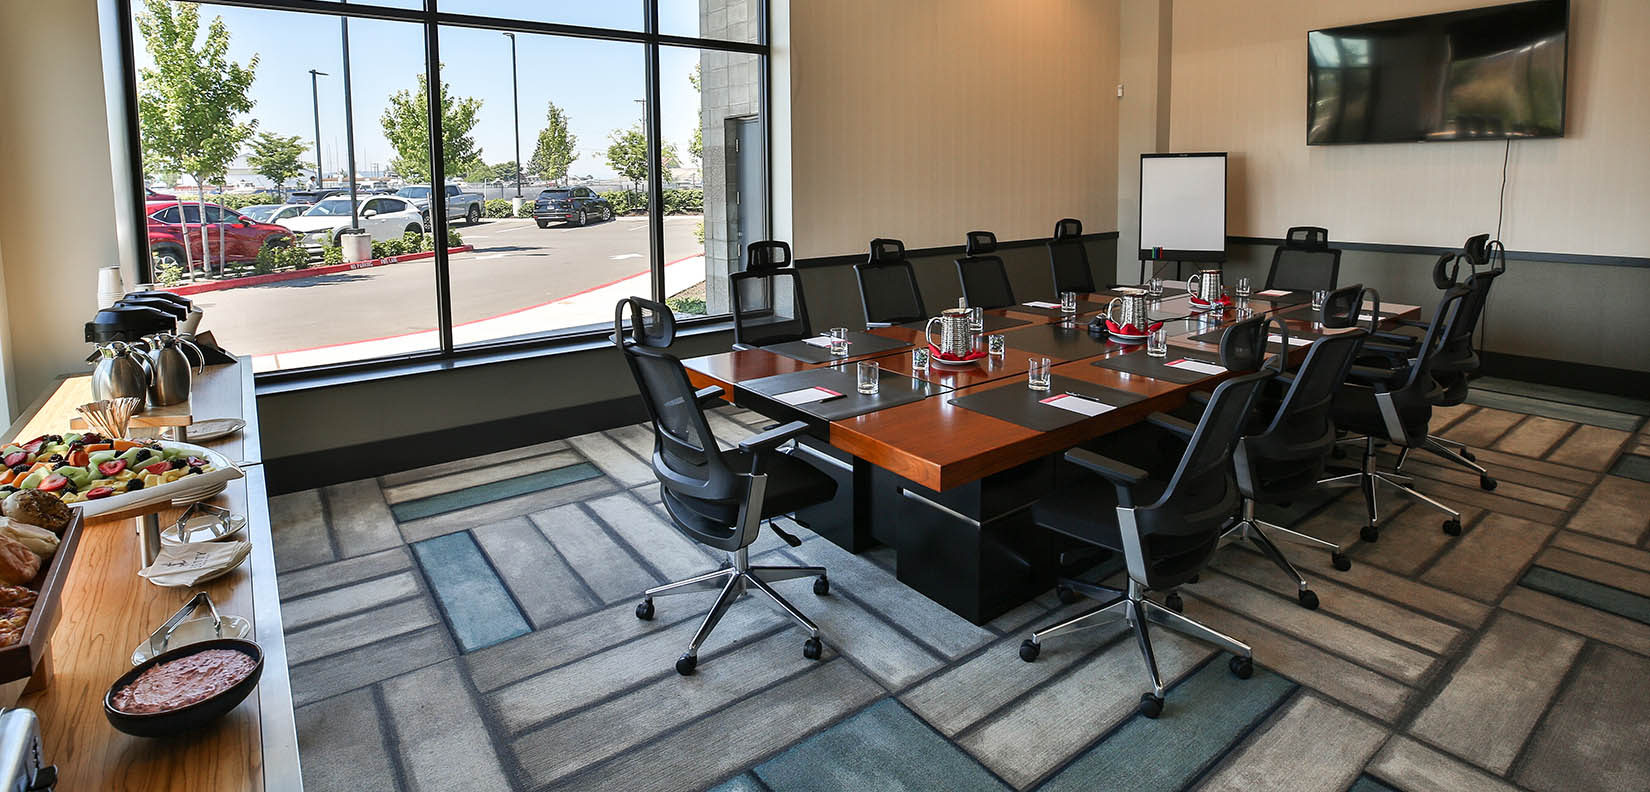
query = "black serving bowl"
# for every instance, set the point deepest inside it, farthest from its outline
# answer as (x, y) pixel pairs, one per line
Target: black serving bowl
(194, 716)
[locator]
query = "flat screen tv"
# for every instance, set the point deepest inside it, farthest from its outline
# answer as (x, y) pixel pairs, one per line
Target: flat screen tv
(1483, 73)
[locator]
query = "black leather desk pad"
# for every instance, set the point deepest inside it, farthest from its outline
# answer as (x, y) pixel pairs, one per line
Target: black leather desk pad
(1292, 298)
(894, 389)
(1018, 404)
(860, 344)
(1138, 362)
(1272, 347)
(992, 324)
(1063, 340)
(1083, 307)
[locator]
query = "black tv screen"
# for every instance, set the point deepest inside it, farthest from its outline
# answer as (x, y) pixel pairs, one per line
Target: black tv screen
(1484, 73)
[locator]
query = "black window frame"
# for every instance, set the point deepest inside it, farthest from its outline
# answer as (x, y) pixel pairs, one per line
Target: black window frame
(432, 19)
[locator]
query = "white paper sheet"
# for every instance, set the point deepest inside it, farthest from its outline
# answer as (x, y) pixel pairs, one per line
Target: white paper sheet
(1272, 293)
(1042, 304)
(1078, 405)
(1293, 340)
(1197, 366)
(823, 342)
(806, 395)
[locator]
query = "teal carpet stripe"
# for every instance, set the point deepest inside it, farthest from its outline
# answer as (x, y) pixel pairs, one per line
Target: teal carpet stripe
(1203, 717)
(1625, 604)
(1535, 390)
(883, 746)
(492, 491)
(744, 782)
(1550, 409)
(1369, 784)
(473, 599)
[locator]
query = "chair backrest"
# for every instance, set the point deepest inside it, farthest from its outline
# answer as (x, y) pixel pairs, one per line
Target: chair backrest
(768, 305)
(984, 277)
(1411, 399)
(1068, 259)
(686, 459)
(1305, 261)
(1342, 306)
(650, 324)
(1243, 344)
(888, 285)
(1183, 527)
(1301, 432)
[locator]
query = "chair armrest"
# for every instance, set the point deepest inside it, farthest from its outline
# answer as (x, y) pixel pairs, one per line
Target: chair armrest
(766, 441)
(1122, 475)
(708, 397)
(1372, 374)
(1412, 323)
(1396, 338)
(1172, 424)
(742, 347)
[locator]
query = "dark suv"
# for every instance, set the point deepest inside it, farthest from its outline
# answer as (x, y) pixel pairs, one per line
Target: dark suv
(576, 205)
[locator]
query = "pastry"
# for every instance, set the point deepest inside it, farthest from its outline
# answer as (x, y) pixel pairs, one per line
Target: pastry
(16, 597)
(41, 541)
(18, 564)
(37, 508)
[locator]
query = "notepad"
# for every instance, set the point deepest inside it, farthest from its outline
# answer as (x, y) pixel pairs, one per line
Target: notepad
(1042, 304)
(823, 342)
(1272, 293)
(1078, 404)
(1293, 341)
(806, 396)
(1197, 366)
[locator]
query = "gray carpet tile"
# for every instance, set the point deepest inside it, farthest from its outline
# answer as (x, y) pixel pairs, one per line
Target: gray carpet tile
(1434, 663)
(1632, 466)
(1554, 393)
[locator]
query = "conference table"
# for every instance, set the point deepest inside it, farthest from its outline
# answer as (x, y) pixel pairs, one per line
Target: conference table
(944, 464)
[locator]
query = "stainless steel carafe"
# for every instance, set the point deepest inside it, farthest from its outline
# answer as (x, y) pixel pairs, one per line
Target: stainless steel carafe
(171, 376)
(956, 338)
(1205, 285)
(1132, 303)
(122, 370)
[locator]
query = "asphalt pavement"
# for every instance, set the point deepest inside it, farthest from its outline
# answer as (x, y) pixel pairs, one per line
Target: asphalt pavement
(515, 265)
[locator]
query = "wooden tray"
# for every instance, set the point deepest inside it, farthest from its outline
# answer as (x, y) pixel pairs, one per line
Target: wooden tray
(18, 661)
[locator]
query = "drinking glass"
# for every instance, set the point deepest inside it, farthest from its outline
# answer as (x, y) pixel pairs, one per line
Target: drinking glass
(1157, 343)
(1318, 298)
(1037, 374)
(919, 359)
(839, 341)
(976, 319)
(869, 377)
(1068, 302)
(996, 345)
(962, 302)
(1243, 287)
(1154, 287)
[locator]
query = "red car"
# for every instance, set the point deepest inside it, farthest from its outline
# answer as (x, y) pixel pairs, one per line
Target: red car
(233, 236)
(149, 194)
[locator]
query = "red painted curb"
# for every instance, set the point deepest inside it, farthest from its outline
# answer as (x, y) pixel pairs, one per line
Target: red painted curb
(276, 277)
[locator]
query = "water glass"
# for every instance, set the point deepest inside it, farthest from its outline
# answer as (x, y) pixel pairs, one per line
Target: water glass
(962, 302)
(1319, 296)
(839, 341)
(1157, 343)
(976, 319)
(996, 345)
(1037, 374)
(919, 359)
(870, 377)
(1154, 287)
(1242, 289)
(1068, 302)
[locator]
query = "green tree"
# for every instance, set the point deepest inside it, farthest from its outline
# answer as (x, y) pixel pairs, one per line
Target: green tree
(627, 155)
(190, 100)
(277, 158)
(505, 171)
(478, 172)
(406, 123)
(554, 153)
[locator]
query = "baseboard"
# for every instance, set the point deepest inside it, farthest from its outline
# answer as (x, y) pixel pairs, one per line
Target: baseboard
(1564, 374)
(349, 463)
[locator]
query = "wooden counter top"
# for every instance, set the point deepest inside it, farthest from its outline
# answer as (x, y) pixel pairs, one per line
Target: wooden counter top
(107, 610)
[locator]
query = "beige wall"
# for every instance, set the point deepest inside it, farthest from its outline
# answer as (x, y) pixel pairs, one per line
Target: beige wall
(56, 214)
(1239, 85)
(924, 119)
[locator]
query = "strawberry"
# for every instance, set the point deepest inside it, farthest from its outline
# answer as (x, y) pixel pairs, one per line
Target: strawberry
(53, 483)
(99, 492)
(112, 468)
(158, 468)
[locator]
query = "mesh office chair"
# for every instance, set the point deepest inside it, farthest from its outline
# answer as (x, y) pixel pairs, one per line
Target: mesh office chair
(768, 307)
(888, 286)
(1305, 261)
(1068, 259)
(716, 498)
(1166, 523)
(1394, 404)
(984, 278)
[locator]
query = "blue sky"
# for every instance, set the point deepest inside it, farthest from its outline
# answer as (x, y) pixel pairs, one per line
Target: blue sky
(596, 83)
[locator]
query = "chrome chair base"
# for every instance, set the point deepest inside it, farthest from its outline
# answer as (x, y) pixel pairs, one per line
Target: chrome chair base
(1370, 475)
(734, 581)
(1132, 607)
(1260, 534)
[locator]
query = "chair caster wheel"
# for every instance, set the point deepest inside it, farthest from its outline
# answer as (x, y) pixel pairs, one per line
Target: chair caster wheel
(1308, 598)
(1369, 533)
(822, 585)
(1067, 594)
(1340, 561)
(1467, 455)
(1486, 483)
(1174, 602)
(644, 609)
(812, 648)
(1150, 706)
(1029, 650)
(1452, 527)
(1242, 667)
(686, 663)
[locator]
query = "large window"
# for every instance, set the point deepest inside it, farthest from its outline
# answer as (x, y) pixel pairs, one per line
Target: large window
(584, 153)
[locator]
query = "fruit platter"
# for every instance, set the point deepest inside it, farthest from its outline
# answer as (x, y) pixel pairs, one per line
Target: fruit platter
(101, 475)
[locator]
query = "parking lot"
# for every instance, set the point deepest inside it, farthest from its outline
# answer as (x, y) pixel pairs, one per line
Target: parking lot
(515, 267)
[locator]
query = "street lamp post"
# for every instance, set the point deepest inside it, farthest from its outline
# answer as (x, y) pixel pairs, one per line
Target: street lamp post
(315, 95)
(349, 129)
(515, 104)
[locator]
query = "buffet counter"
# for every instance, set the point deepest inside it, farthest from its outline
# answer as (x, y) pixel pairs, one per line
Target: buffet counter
(106, 610)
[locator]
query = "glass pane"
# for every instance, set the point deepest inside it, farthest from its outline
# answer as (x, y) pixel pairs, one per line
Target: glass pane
(716, 199)
(579, 240)
(618, 14)
(261, 147)
(723, 20)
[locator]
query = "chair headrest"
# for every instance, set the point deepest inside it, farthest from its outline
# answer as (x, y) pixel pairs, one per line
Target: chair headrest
(767, 255)
(886, 251)
(1068, 229)
(979, 243)
(1476, 250)
(651, 324)
(1307, 238)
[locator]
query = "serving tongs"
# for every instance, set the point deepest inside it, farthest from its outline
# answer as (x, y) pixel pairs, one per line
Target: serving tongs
(188, 609)
(216, 522)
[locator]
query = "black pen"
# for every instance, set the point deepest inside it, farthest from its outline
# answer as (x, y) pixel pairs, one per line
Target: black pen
(1084, 397)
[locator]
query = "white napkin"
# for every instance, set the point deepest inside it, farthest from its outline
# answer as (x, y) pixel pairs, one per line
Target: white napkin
(1293, 340)
(1042, 304)
(1272, 293)
(1078, 404)
(819, 341)
(806, 395)
(189, 564)
(1197, 366)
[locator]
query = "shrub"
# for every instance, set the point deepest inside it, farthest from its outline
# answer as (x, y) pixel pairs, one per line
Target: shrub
(526, 209)
(332, 254)
(453, 239)
(699, 232)
(169, 274)
(687, 305)
(236, 202)
(626, 201)
(684, 201)
(496, 207)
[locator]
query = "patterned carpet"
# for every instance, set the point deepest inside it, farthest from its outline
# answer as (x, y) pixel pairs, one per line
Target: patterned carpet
(469, 626)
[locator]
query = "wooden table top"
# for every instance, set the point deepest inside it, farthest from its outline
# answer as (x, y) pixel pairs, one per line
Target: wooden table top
(107, 610)
(940, 446)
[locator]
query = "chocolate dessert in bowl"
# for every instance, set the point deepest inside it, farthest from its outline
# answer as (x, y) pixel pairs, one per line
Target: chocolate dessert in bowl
(184, 689)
